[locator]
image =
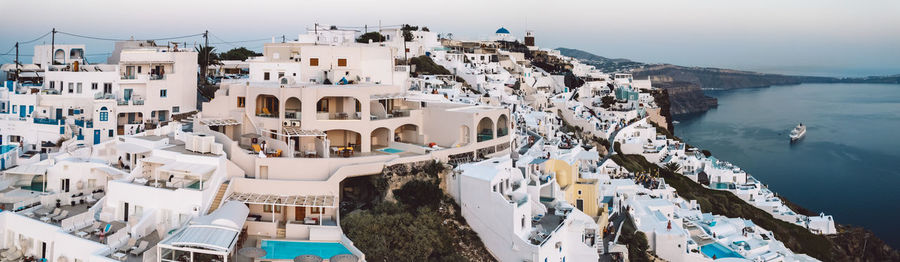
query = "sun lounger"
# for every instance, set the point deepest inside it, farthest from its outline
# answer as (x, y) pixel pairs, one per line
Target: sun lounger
(93, 228)
(128, 246)
(140, 249)
(61, 216)
(55, 213)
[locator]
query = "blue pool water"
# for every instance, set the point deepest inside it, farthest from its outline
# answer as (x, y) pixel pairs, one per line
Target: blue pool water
(291, 249)
(6, 148)
(390, 150)
(716, 249)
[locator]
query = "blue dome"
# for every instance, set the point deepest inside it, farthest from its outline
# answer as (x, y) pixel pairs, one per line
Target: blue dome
(502, 30)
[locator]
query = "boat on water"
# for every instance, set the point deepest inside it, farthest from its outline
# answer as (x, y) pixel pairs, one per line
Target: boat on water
(798, 133)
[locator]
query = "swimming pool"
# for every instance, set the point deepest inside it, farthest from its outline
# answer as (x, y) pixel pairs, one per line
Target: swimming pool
(719, 251)
(390, 150)
(290, 249)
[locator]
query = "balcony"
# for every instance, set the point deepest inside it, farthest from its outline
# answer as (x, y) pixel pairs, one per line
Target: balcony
(157, 77)
(338, 116)
(47, 121)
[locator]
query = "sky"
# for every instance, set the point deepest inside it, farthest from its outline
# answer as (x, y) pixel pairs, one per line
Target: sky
(808, 37)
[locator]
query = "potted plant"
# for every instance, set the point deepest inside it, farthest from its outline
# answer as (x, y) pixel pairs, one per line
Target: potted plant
(58, 203)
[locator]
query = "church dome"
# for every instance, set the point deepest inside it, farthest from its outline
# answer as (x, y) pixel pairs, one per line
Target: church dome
(502, 30)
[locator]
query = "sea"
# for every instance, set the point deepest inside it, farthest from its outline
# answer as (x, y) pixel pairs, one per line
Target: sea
(848, 165)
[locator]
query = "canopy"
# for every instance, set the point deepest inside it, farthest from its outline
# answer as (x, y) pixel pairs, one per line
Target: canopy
(292, 131)
(205, 233)
(220, 122)
(295, 200)
(28, 170)
(158, 160)
(132, 148)
(188, 168)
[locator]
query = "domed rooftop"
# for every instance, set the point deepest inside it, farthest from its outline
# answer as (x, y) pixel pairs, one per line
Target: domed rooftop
(502, 30)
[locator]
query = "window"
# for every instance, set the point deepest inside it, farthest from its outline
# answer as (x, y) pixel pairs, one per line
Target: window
(313, 62)
(104, 115)
(280, 75)
(314, 210)
(162, 93)
(322, 106)
(266, 76)
(241, 101)
(268, 208)
(139, 69)
(52, 85)
(110, 133)
(107, 87)
(78, 88)
(94, 86)
(175, 109)
(71, 87)
(523, 221)
(342, 62)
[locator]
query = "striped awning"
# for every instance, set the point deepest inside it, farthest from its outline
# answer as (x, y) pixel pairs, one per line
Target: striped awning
(295, 131)
(219, 122)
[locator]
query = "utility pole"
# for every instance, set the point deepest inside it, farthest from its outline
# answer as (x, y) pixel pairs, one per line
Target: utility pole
(282, 39)
(52, 47)
(17, 62)
(206, 54)
(316, 30)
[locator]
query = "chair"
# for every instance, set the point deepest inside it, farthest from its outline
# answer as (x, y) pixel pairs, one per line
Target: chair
(256, 148)
(128, 246)
(61, 216)
(55, 213)
(93, 228)
(140, 249)
(278, 153)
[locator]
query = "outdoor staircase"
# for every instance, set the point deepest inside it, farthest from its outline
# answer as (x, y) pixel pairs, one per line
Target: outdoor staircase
(280, 233)
(219, 195)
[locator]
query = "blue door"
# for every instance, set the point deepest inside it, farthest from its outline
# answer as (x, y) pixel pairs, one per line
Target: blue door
(127, 94)
(2, 163)
(59, 114)
(96, 136)
(22, 111)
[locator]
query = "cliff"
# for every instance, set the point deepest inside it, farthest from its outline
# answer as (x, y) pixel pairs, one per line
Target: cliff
(686, 98)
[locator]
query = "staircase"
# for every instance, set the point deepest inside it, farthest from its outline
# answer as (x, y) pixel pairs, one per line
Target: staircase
(280, 233)
(218, 199)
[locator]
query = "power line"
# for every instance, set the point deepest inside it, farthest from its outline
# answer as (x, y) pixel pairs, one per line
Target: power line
(116, 39)
(222, 41)
(36, 39)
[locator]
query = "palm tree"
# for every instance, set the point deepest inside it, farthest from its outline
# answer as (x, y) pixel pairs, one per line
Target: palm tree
(672, 166)
(206, 56)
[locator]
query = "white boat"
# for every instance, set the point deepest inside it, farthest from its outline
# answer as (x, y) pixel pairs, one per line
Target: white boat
(798, 133)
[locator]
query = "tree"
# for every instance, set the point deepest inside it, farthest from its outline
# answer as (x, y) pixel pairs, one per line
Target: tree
(407, 32)
(240, 53)
(206, 54)
(607, 101)
(374, 36)
(672, 167)
(418, 193)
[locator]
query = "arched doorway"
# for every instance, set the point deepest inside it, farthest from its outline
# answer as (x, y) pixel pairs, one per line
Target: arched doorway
(338, 108)
(381, 138)
(343, 142)
(407, 133)
(502, 126)
(485, 129)
(292, 108)
(266, 106)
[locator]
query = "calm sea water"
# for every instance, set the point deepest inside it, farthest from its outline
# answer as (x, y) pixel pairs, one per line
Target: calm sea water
(848, 165)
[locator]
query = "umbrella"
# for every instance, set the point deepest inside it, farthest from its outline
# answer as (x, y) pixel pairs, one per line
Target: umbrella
(308, 258)
(344, 258)
(251, 135)
(252, 252)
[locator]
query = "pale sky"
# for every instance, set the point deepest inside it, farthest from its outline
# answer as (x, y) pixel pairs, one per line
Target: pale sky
(813, 37)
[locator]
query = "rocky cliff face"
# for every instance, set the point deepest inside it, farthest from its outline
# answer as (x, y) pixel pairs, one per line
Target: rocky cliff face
(686, 98)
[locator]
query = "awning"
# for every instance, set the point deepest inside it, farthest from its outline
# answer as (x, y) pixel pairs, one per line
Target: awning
(132, 148)
(217, 231)
(188, 168)
(387, 96)
(219, 122)
(28, 170)
(293, 131)
(294, 200)
(157, 160)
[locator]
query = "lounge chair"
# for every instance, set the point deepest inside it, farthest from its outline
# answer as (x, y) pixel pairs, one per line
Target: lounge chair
(55, 213)
(61, 216)
(104, 230)
(128, 246)
(43, 211)
(14, 256)
(278, 153)
(93, 228)
(256, 148)
(140, 248)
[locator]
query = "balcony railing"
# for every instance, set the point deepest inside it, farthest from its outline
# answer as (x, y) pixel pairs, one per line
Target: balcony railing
(157, 77)
(137, 102)
(47, 121)
(128, 77)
